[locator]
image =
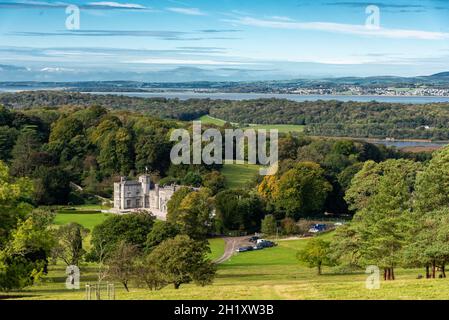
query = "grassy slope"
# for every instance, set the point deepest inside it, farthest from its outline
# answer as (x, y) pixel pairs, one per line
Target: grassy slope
(283, 128)
(211, 120)
(217, 246)
(239, 175)
(268, 274)
(87, 220)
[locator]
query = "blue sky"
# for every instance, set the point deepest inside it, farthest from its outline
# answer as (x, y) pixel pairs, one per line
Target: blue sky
(187, 40)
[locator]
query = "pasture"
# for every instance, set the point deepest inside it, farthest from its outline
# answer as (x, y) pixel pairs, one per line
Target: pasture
(273, 273)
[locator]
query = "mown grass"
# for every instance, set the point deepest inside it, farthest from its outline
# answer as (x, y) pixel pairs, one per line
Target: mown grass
(282, 128)
(239, 175)
(267, 274)
(217, 247)
(206, 119)
(88, 219)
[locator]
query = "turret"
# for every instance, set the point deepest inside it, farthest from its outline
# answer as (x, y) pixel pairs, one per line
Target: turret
(145, 180)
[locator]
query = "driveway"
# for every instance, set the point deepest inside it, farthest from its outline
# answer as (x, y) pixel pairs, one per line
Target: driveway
(231, 244)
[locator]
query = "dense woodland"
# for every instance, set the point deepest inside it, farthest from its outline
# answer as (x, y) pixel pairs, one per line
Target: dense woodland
(398, 200)
(321, 118)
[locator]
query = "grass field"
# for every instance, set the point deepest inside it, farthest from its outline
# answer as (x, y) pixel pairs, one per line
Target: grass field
(211, 120)
(282, 128)
(217, 247)
(239, 175)
(267, 274)
(87, 216)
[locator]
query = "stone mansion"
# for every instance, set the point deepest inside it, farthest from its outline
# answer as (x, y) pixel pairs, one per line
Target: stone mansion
(142, 194)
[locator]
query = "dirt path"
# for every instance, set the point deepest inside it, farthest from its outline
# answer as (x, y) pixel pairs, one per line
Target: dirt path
(231, 244)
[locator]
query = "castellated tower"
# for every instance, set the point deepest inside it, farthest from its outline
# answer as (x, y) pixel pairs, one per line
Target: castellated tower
(145, 181)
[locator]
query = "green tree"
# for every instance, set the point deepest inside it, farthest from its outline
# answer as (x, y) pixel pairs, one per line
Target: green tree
(70, 243)
(161, 231)
(195, 218)
(269, 225)
(13, 194)
(238, 210)
(121, 263)
(132, 228)
(302, 190)
(214, 181)
(432, 185)
(316, 254)
(174, 204)
(52, 185)
(27, 143)
(383, 196)
(183, 260)
(428, 243)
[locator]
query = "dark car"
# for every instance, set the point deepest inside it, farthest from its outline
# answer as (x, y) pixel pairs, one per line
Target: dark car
(254, 239)
(245, 249)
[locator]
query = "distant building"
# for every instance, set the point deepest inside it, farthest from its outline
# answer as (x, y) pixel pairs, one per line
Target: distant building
(142, 194)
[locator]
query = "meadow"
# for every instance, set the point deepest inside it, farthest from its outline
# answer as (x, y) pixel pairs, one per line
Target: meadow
(282, 128)
(239, 175)
(273, 273)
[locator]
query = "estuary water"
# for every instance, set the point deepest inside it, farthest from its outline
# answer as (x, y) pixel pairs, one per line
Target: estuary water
(185, 95)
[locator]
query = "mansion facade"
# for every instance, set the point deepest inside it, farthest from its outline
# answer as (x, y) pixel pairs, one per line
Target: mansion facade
(142, 194)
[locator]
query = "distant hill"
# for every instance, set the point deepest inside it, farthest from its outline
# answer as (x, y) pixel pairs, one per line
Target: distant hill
(436, 80)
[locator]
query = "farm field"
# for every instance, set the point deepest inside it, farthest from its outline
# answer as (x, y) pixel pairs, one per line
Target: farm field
(267, 274)
(239, 175)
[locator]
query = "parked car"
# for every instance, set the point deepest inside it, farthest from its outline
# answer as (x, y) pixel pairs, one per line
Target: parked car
(254, 239)
(319, 227)
(262, 243)
(245, 249)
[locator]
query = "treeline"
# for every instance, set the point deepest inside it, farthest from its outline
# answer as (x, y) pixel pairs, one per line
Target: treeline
(91, 147)
(402, 217)
(315, 173)
(321, 118)
(157, 107)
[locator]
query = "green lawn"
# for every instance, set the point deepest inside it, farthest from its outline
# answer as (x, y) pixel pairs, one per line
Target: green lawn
(217, 246)
(88, 219)
(211, 120)
(239, 175)
(272, 273)
(282, 128)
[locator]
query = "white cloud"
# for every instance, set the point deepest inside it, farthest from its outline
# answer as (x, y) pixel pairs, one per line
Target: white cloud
(281, 18)
(342, 28)
(188, 11)
(117, 5)
(53, 70)
(187, 62)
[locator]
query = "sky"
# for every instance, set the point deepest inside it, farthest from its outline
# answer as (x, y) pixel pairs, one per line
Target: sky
(221, 40)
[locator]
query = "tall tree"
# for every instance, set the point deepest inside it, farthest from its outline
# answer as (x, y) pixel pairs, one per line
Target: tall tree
(316, 254)
(70, 243)
(121, 263)
(183, 260)
(382, 221)
(302, 190)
